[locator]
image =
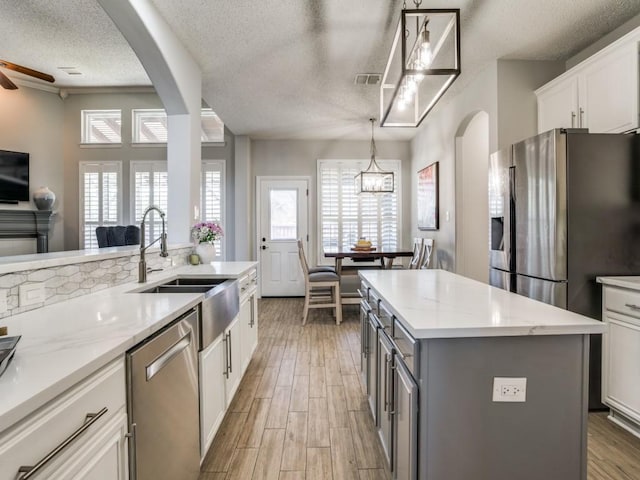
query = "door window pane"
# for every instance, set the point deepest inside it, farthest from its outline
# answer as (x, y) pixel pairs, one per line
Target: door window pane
(284, 214)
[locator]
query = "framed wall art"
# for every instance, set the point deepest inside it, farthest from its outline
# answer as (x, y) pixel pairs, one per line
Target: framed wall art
(428, 198)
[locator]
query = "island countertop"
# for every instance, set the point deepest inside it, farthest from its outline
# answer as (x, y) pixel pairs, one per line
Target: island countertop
(441, 304)
(64, 342)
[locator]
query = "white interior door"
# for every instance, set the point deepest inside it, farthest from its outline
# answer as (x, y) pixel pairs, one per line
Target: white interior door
(283, 218)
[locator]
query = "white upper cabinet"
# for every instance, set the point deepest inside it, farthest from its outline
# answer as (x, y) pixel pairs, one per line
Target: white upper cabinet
(600, 94)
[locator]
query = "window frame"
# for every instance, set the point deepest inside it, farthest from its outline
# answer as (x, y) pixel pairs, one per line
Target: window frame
(85, 167)
(223, 195)
(153, 167)
(359, 164)
(85, 125)
(135, 133)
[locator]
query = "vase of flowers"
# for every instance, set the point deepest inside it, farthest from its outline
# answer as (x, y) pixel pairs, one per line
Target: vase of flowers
(205, 234)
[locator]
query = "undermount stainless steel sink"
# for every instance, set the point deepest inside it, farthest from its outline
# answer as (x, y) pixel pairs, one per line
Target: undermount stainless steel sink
(179, 289)
(219, 307)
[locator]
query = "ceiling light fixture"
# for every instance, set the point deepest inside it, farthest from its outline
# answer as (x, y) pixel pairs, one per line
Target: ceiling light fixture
(374, 179)
(423, 63)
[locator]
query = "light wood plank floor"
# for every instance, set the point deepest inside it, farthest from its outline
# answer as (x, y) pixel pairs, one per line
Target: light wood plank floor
(300, 411)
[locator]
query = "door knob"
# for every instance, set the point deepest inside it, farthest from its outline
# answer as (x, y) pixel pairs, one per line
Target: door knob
(264, 247)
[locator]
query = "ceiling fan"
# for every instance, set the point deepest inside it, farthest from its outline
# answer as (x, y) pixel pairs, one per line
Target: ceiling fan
(9, 85)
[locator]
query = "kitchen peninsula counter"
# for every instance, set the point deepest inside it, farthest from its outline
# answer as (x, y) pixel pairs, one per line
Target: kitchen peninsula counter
(470, 338)
(64, 342)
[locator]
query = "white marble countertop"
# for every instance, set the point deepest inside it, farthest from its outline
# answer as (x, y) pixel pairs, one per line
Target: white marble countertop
(630, 282)
(440, 304)
(34, 261)
(63, 343)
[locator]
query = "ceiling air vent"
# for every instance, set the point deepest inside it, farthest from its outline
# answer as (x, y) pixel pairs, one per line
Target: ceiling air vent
(367, 79)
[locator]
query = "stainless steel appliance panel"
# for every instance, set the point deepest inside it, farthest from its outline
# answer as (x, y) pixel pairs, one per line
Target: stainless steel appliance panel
(502, 279)
(547, 291)
(541, 206)
(163, 404)
(500, 209)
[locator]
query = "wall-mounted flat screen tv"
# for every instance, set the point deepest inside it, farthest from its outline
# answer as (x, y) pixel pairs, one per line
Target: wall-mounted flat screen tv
(14, 176)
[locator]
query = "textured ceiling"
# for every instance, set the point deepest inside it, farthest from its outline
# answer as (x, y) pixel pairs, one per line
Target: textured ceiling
(285, 68)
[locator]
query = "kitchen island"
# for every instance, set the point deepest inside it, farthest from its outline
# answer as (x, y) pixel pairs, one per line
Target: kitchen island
(470, 381)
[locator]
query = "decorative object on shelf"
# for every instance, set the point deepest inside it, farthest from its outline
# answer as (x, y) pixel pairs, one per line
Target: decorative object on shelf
(44, 198)
(423, 63)
(206, 234)
(428, 198)
(374, 179)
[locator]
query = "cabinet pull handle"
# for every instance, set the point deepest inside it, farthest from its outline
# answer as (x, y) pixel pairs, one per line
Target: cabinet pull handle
(230, 355)
(581, 114)
(386, 381)
(390, 376)
(90, 419)
(226, 356)
(632, 306)
(573, 119)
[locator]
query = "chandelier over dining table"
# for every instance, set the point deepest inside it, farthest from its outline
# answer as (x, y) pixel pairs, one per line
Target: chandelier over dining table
(423, 63)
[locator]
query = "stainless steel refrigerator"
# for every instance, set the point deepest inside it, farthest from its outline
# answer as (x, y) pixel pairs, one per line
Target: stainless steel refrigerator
(564, 208)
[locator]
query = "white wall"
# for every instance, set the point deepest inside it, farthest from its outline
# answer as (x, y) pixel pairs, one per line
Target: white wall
(32, 123)
(504, 91)
(299, 158)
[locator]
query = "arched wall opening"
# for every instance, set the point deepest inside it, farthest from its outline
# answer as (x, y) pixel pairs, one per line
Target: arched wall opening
(471, 198)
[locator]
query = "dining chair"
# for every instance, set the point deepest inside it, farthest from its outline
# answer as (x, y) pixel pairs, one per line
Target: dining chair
(418, 252)
(427, 249)
(118, 235)
(303, 258)
(322, 289)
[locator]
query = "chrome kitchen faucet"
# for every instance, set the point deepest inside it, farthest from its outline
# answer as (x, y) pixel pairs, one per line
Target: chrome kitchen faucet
(142, 264)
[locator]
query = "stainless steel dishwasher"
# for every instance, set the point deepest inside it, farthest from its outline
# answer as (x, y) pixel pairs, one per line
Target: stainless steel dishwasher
(163, 403)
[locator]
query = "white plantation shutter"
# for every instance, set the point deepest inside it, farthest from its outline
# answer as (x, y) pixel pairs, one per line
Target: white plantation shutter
(101, 126)
(344, 215)
(150, 126)
(149, 187)
(100, 199)
(212, 195)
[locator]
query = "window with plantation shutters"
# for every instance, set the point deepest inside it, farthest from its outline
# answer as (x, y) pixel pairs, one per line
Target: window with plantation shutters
(345, 216)
(101, 126)
(212, 195)
(100, 199)
(150, 126)
(149, 187)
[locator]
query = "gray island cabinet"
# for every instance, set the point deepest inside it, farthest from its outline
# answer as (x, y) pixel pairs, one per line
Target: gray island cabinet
(467, 381)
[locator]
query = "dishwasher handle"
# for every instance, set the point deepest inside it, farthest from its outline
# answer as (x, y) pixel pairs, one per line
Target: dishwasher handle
(159, 363)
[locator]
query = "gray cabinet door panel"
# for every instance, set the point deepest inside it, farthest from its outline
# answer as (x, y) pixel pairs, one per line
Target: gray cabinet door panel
(405, 413)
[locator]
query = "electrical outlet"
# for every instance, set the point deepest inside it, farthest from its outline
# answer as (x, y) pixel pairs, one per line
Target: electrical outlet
(31, 294)
(509, 389)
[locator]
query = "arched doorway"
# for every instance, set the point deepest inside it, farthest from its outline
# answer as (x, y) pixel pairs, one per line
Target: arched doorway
(471, 164)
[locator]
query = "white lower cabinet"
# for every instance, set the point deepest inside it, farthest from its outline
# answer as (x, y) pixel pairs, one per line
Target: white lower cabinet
(248, 328)
(81, 434)
(621, 356)
(213, 365)
(234, 356)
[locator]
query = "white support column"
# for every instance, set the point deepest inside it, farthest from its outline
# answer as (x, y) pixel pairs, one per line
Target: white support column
(243, 199)
(178, 80)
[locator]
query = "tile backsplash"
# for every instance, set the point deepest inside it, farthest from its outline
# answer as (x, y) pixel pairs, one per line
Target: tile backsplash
(69, 281)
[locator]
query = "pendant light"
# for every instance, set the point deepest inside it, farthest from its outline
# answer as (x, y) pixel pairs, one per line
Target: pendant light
(374, 179)
(423, 63)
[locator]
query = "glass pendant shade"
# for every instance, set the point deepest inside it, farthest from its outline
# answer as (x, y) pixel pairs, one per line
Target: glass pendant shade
(374, 179)
(423, 63)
